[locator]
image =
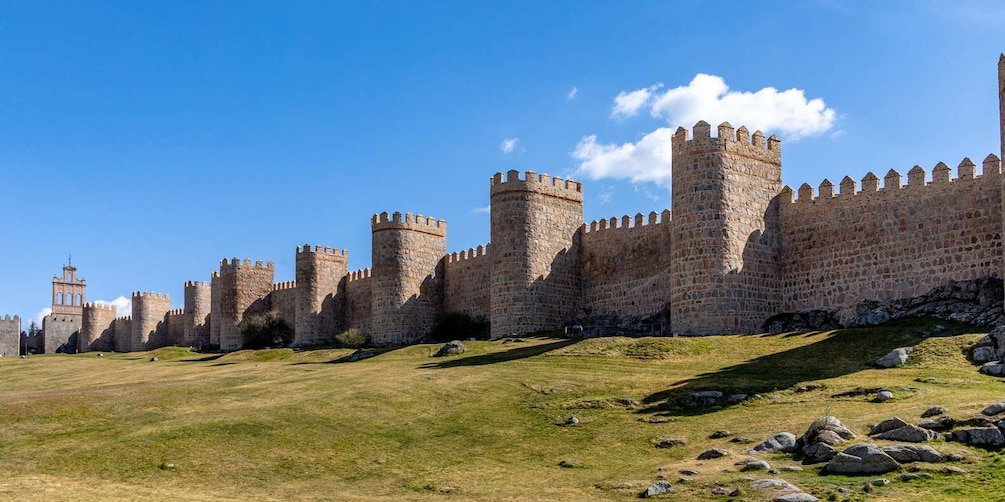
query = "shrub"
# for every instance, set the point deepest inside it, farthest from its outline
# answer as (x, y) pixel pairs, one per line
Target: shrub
(352, 339)
(266, 330)
(458, 326)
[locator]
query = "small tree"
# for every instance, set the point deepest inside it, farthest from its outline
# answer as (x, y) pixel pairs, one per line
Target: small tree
(266, 330)
(352, 338)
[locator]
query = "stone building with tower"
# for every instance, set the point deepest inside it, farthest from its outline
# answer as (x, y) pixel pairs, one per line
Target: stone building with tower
(738, 249)
(60, 328)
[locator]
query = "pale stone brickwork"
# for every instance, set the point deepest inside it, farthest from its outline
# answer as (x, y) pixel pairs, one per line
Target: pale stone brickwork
(466, 276)
(244, 288)
(406, 284)
(283, 299)
(68, 292)
(175, 332)
(195, 332)
(10, 336)
(319, 272)
(59, 333)
(149, 328)
(123, 330)
(215, 292)
(723, 263)
(626, 265)
(895, 242)
(96, 330)
(358, 300)
(535, 281)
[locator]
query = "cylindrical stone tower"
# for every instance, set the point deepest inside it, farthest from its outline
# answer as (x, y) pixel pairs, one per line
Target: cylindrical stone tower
(243, 288)
(535, 276)
(96, 330)
(724, 262)
(198, 296)
(215, 288)
(149, 310)
(406, 279)
(318, 275)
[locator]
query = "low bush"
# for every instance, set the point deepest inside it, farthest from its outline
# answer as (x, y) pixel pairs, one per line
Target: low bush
(266, 330)
(352, 339)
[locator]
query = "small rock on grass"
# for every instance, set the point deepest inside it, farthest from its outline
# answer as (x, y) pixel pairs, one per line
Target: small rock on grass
(670, 442)
(657, 488)
(934, 411)
(883, 396)
(721, 433)
(994, 409)
(754, 464)
(712, 453)
(796, 497)
(784, 442)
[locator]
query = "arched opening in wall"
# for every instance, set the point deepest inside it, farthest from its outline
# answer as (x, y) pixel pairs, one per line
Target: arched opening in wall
(59, 298)
(76, 301)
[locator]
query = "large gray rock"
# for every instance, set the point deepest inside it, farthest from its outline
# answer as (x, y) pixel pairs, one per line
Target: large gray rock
(993, 369)
(784, 442)
(909, 433)
(906, 453)
(862, 458)
(701, 399)
(829, 437)
(754, 464)
(883, 396)
(796, 497)
(773, 484)
(657, 488)
(984, 354)
(895, 357)
(826, 424)
(985, 437)
(818, 453)
(994, 409)
(939, 424)
(887, 425)
(997, 339)
(451, 349)
(712, 453)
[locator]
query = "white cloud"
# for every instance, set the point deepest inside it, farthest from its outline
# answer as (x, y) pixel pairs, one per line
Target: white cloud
(123, 305)
(38, 317)
(707, 97)
(485, 209)
(572, 93)
(606, 196)
(627, 104)
(648, 160)
(508, 144)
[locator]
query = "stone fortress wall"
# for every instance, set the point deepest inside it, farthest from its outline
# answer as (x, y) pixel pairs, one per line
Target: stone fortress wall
(737, 249)
(10, 336)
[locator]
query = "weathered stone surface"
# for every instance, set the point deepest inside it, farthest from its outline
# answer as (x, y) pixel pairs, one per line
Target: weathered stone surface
(773, 484)
(933, 412)
(895, 357)
(657, 488)
(906, 453)
(817, 453)
(883, 396)
(783, 441)
(701, 399)
(940, 424)
(909, 433)
(994, 409)
(670, 442)
(862, 459)
(451, 348)
(984, 354)
(825, 429)
(796, 497)
(993, 369)
(754, 464)
(887, 425)
(984, 437)
(828, 437)
(712, 453)
(722, 433)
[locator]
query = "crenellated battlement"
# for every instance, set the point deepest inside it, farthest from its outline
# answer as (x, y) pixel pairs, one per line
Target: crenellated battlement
(470, 254)
(328, 251)
(175, 312)
(234, 263)
(124, 318)
(893, 181)
(99, 306)
(738, 141)
(285, 285)
(537, 183)
(628, 223)
(358, 275)
(7, 317)
(197, 284)
(149, 294)
(418, 223)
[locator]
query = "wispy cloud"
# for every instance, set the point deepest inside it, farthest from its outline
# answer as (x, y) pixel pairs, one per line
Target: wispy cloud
(485, 209)
(606, 195)
(509, 144)
(572, 93)
(707, 97)
(123, 305)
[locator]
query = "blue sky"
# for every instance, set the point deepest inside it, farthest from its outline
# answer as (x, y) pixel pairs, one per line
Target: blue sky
(153, 139)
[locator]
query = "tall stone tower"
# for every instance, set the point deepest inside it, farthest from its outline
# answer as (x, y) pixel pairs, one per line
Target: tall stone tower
(68, 292)
(96, 330)
(148, 325)
(535, 276)
(724, 265)
(243, 287)
(1001, 102)
(197, 308)
(407, 276)
(319, 272)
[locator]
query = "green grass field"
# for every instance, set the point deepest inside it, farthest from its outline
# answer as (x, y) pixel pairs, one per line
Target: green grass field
(280, 424)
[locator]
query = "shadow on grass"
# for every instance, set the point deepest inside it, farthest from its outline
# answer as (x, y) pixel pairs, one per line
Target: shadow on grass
(831, 354)
(211, 357)
(500, 357)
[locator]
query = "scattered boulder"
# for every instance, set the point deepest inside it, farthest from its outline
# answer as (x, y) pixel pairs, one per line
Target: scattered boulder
(862, 458)
(911, 476)
(570, 464)
(955, 457)
(997, 340)
(670, 442)
(100, 355)
(754, 464)
(941, 424)
(796, 497)
(887, 426)
(818, 453)
(984, 437)
(712, 453)
(993, 369)
(689, 472)
(736, 398)
(719, 434)
(828, 437)
(895, 357)
(571, 421)
(657, 488)
(994, 409)
(741, 440)
(906, 453)
(701, 399)
(784, 442)
(883, 396)
(451, 348)
(154, 359)
(908, 433)
(824, 429)
(984, 354)
(934, 411)
(952, 469)
(773, 484)
(722, 491)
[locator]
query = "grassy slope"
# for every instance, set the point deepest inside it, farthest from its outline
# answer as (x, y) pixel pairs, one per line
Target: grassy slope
(282, 424)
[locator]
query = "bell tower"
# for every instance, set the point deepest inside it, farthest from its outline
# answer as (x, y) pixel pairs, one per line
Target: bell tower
(68, 292)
